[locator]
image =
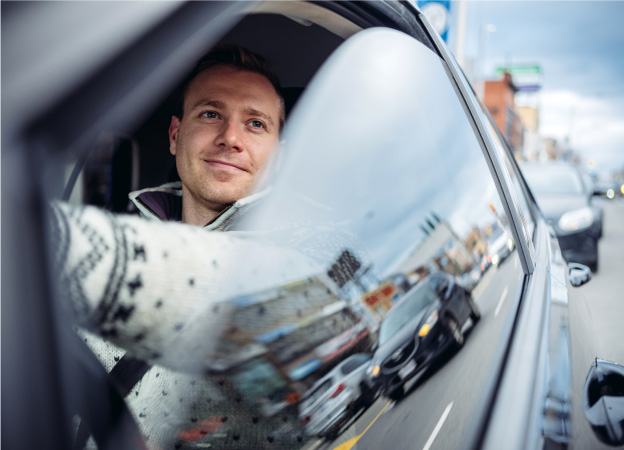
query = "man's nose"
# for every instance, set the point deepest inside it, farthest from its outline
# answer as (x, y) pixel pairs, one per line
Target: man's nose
(230, 135)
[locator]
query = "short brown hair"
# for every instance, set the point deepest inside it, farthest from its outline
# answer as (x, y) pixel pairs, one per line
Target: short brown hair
(241, 58)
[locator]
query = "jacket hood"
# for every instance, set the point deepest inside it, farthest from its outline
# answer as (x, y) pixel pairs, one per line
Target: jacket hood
(164, 203)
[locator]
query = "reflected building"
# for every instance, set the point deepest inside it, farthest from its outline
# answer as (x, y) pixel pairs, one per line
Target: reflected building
(441, 250)
(280, 341)
(475, 243)
(380, 300)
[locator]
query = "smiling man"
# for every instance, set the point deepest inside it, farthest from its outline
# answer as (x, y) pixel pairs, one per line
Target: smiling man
(226, 128)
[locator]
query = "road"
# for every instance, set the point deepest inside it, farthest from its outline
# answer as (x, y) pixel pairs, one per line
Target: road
(437, 411)
(602, 301)
(605, 292)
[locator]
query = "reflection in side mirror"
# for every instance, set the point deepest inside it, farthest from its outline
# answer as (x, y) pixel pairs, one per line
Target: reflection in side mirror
(578, 274)
(603, 401)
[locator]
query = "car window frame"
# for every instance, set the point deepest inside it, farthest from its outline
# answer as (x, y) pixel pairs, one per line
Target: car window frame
(477, 120)
(457, 85)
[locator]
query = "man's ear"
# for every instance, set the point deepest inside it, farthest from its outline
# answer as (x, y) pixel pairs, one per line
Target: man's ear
(174, 127)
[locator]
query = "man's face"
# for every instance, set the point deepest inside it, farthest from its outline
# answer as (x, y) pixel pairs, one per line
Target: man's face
(229, 130)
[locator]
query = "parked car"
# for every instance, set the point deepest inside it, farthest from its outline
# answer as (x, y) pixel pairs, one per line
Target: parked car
(419, 327)
(567, 204)
(609, 189)
(335, 399)
(389, 163)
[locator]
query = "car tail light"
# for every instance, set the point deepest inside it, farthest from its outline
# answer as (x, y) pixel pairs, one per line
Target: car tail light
(338, 390)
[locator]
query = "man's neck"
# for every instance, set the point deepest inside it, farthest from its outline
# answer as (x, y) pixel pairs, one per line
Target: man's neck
(194, 212)
(202, 218)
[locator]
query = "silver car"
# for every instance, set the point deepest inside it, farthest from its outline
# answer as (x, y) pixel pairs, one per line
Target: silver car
(336, 398)
(390, 166)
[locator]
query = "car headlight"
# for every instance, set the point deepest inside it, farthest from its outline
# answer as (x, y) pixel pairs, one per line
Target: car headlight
(577, 219)
(429, 323)
(373, 370)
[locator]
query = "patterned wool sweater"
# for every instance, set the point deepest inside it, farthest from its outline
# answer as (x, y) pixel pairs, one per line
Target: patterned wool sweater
(160, 291)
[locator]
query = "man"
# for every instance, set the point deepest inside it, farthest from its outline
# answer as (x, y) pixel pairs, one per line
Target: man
(164, 300)
(161, 292)
(224, 132)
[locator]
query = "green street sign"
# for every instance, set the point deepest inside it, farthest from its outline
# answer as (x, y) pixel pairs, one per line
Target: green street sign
(533, 69)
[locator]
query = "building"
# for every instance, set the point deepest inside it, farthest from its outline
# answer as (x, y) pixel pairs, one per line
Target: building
(498, 97)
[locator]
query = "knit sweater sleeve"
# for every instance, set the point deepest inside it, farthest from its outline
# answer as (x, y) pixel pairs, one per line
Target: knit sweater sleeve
(162, 291)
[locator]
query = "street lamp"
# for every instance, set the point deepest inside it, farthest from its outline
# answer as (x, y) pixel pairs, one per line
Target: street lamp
(486, 29)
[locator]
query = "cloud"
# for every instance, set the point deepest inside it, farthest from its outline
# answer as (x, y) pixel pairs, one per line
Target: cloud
(593, 125)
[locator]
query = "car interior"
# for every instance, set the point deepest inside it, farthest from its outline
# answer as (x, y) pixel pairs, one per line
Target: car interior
(295, 38)
(108, 133)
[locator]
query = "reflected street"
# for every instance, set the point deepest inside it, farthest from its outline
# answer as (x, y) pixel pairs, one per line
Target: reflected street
(452, 385)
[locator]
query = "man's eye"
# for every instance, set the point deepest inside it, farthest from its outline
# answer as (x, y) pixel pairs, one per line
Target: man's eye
(256, 124)
(209, 115)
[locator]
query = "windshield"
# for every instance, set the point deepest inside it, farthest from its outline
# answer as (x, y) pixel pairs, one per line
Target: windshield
(547, 180)
(402, 313)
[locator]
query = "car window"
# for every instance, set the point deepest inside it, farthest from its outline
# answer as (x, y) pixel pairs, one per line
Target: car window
(515, 185)
(414, 303)
(313, 395)
(384, 175)
(353, 363)
(381, 182)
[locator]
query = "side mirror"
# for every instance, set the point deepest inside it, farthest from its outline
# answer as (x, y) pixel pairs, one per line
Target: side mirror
(603, 401)
(578, 274)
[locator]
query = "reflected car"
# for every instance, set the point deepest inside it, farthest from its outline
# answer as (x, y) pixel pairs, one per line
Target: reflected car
(500, 247)
(609, 189)
(566, 202)
(470, 279)
(420, 326)
(334, 399)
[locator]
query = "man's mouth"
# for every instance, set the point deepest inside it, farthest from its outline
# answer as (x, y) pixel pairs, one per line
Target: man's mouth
(224, 165)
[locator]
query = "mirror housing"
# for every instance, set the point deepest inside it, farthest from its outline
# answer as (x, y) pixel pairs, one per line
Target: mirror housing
(603, 401)
(578, 274)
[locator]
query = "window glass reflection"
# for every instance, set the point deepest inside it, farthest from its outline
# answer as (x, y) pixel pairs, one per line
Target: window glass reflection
(389, 192)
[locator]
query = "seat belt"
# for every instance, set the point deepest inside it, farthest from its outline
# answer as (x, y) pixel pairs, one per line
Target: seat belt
(124, 375)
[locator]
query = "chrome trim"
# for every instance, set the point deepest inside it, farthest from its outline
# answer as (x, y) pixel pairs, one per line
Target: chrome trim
(525, 247)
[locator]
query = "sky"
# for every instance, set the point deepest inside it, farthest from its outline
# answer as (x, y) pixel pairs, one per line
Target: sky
(579, 46)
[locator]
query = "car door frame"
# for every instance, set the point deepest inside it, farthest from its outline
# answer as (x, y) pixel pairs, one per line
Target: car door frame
(527, 374)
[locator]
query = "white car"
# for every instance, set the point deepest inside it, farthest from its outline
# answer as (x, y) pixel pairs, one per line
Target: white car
(335, 398)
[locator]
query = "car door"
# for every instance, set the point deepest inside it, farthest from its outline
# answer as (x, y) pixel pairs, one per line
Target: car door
(407, 183)
(388, 168)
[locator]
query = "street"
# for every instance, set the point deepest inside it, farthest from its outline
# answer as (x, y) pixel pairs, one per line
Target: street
(436, 411)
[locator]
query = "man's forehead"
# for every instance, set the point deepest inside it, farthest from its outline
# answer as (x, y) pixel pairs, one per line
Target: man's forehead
(219, 85)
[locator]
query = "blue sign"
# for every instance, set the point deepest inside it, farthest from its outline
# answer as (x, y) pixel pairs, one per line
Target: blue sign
(438, 12)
